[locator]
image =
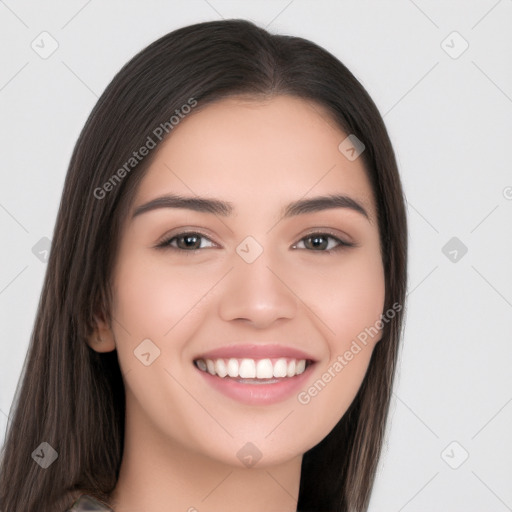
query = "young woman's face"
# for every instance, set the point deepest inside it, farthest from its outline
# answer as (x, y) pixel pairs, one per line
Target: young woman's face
(246, 288)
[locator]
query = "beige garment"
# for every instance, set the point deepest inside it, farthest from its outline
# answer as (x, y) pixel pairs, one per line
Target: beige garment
(86, 503)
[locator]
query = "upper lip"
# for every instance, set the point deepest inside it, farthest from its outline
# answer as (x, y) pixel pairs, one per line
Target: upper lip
(255, 351)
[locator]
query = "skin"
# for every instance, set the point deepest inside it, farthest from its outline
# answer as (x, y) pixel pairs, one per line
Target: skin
(182, 436)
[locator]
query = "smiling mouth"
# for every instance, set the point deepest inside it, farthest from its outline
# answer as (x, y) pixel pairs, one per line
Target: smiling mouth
(253, 371)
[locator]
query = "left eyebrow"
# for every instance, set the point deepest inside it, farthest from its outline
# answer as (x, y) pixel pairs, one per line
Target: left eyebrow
(320, 203)
(224, 208)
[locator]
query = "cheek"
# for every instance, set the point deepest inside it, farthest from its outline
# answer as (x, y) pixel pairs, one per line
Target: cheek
(359, 302)
(156, 302)
(151, 298)
(347, 297)
(161, 302)
(348, 304)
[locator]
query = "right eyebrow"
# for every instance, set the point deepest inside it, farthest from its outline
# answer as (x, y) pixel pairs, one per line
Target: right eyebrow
(198, 204)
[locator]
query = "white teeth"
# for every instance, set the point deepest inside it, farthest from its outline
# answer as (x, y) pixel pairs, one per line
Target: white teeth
(264, 369)
(291, 368)
(247, 368)
(233, 368)
(280, 368)
(210, 366)
(220, 368)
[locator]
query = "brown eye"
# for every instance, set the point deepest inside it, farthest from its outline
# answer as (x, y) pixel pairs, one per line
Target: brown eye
(319, 242)
(187, 241)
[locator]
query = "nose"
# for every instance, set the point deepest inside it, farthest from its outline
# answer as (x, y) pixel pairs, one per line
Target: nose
(259, 293)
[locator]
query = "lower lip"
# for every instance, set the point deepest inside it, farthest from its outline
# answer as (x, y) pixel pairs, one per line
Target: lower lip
(258, 394)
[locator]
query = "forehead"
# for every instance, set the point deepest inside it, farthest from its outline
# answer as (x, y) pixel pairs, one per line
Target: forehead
(256, 153)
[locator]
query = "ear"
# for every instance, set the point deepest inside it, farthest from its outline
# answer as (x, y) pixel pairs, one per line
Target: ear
(102, 338)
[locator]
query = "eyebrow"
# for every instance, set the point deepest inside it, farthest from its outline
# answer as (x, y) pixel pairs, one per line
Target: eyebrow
(224, 208)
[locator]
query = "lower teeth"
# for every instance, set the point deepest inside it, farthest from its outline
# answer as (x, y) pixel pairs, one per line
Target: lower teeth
(255, 381)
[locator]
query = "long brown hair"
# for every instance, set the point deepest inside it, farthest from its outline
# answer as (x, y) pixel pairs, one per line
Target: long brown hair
(71, 396)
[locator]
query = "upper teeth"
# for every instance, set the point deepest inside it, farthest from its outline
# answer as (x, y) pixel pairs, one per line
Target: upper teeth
(252, 368)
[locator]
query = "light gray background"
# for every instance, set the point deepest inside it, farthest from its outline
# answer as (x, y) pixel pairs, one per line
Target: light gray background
(450, 122)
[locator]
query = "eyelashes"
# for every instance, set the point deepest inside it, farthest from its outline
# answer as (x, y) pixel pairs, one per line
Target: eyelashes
(186, 235)
(312, 242)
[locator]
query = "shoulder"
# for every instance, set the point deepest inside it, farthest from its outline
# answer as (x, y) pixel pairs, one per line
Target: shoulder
(86, 503)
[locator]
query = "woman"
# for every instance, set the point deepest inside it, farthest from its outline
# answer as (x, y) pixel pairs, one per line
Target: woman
(221, 315)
